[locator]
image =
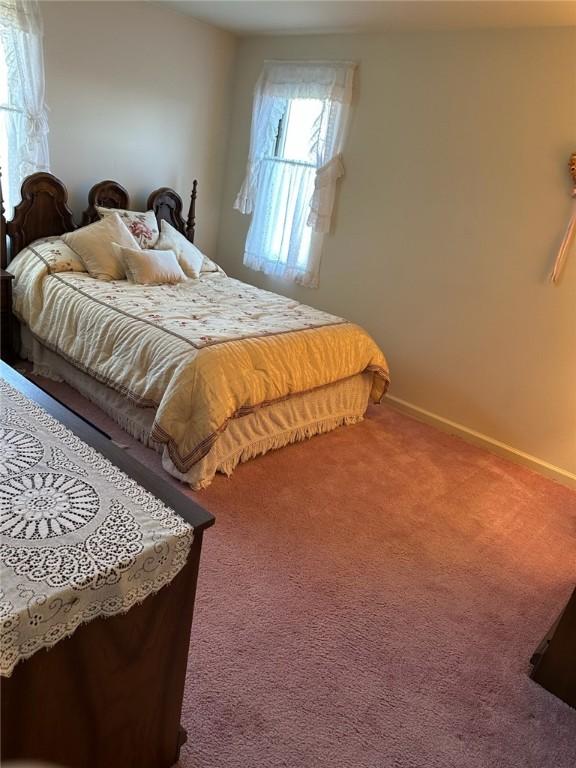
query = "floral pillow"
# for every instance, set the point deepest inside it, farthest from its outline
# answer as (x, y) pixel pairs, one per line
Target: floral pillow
(143, 226)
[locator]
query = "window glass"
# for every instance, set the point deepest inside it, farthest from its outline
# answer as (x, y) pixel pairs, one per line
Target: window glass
(298, 129)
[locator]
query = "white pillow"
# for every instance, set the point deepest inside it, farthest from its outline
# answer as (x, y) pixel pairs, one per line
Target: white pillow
(150, 267)
(189, 257)
(211, 266)
(93, 244)
(143, 225)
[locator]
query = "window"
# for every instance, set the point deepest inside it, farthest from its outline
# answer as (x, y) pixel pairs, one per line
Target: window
(298, 126)
(286, 184)
(23, 121)
(5, 119)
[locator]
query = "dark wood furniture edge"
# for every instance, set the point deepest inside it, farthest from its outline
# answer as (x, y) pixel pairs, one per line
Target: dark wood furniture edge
(187, 508)
(7, 345)
(3, 238)
(554, 660)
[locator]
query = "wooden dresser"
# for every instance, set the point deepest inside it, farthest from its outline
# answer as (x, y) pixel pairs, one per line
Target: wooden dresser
(109, 695)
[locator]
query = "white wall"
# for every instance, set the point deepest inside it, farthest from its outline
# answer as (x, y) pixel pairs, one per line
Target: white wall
(139, 94)
(455, 198)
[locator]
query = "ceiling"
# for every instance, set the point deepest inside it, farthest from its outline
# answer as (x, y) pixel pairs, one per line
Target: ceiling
(246, 17)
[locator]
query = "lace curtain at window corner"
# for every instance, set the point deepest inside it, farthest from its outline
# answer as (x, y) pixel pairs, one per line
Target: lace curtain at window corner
(292, 202)
(23, 113)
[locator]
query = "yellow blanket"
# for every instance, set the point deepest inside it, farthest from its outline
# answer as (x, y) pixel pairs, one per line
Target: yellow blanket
(202, 352)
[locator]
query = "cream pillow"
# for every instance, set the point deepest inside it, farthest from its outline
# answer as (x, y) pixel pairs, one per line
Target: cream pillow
(142, 225)
(93, 244)
(150, 267)
(211, 266)
(189, 257)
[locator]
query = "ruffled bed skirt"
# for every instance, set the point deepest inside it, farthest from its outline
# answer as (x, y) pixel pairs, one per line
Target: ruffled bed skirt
(275, 426)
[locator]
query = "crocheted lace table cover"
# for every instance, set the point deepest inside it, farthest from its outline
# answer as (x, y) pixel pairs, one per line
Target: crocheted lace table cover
(80, 539)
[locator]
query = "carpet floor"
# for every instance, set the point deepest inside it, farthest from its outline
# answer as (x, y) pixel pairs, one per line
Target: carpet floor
(370, 599)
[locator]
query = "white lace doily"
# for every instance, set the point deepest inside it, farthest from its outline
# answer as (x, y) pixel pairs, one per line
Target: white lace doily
(80, 539)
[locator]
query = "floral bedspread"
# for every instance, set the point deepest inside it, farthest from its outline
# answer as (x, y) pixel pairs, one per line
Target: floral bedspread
(201, 352)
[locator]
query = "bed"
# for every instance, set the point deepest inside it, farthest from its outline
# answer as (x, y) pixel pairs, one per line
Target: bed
(209, 372)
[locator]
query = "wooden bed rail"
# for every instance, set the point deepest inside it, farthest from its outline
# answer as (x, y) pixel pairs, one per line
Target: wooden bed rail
(43, 210)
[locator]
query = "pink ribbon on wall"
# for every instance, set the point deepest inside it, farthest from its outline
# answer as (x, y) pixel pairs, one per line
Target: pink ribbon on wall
(570, 235)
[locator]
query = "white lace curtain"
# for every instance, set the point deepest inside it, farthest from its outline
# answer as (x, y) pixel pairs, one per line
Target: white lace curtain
(292, 203)
(23, 112)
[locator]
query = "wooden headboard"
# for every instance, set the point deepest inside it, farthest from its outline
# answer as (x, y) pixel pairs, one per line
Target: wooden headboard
(43, 211)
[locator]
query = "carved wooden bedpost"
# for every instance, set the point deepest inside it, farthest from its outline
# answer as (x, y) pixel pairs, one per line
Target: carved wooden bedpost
(191, 222)
(3, 243)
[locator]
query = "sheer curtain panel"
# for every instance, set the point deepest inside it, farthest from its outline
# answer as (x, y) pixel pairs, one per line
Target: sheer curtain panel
(299, 120)
(23, 112)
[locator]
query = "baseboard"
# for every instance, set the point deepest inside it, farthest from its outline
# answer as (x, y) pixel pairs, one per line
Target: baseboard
(483, 441)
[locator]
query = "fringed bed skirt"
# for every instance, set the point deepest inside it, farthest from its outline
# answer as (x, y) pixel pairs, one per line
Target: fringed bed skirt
(269, 428)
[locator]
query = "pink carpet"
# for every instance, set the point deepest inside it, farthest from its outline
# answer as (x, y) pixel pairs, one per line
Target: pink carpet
(371, 598)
